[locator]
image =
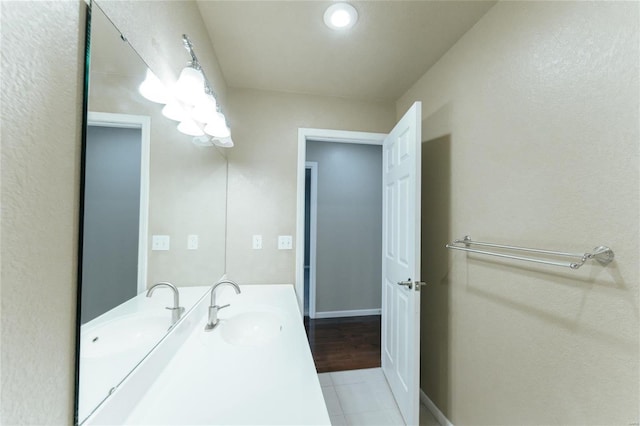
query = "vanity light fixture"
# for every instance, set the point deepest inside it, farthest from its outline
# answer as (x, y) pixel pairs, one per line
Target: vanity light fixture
(174, 110)
(218, 127)
(224, 142)
(205, 108)
(193, 103)
(340, 16)
(190, 85)
(190, 127)
(153, 89)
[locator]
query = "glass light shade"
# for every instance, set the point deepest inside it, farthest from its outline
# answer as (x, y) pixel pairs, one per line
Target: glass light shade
(153, 89)
(204, 140)
(174, 111)
(205, 110)
(190, 127)
(218, 127)
(190, 85)
(224, 142)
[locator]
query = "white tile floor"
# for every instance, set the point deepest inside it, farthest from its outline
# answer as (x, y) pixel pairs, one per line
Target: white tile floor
(363, 397)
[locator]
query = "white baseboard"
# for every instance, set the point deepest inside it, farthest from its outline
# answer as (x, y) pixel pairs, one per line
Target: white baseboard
(353, 313)
(441, 418)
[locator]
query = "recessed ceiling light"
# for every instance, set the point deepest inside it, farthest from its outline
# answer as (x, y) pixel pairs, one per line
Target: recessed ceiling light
(340, 16)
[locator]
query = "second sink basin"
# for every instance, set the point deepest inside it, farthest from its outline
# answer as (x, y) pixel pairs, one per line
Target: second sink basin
(127, 333)
(252, 328)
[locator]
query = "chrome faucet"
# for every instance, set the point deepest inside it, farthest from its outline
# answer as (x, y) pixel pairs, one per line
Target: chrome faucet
(177, 310)
(213, 321)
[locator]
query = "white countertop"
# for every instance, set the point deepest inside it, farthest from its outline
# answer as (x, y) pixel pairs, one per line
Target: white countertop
(99, 374)
(210, 381)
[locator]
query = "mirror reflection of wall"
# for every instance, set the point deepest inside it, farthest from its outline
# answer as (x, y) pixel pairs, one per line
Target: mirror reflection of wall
(142, 178)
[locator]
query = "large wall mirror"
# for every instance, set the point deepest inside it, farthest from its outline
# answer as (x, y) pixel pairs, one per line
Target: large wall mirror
(142, 178)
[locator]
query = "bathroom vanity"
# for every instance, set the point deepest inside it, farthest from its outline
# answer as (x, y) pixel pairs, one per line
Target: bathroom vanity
(255, 367)
(137, 362)
(112, 344)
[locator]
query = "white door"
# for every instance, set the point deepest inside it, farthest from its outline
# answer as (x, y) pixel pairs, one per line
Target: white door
(401, 262)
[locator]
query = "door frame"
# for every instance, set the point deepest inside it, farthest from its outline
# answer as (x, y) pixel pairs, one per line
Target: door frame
(142, 122)
(313, 234)
(318, 135)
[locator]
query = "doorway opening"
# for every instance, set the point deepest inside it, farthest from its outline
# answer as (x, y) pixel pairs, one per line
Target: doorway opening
(400, 254)
(341, 247)
(116, 191)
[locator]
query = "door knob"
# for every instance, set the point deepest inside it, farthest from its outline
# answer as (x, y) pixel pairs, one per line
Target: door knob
(410, 284)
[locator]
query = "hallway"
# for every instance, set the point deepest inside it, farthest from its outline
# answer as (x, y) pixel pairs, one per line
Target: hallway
(348, 343)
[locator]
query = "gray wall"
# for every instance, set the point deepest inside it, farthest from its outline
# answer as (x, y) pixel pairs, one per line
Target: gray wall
(349, 242)
(111, 219)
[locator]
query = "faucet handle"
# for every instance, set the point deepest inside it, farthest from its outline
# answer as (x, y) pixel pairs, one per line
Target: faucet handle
(213, 320)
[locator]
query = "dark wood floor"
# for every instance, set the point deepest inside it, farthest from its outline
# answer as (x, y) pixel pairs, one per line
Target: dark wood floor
(339, 344)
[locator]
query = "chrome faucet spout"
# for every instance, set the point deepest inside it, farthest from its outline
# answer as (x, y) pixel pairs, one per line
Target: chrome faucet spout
(213, 320)
(177, 310)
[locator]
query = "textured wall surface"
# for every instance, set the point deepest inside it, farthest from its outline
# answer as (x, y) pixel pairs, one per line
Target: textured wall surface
(155, 29)
(262, 172)
(539, 105)
(42, 63)
(349, 225)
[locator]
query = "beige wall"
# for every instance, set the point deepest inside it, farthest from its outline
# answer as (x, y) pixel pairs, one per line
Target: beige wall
(538, 104)
(262, 172)
(42, 65)
(187, 183)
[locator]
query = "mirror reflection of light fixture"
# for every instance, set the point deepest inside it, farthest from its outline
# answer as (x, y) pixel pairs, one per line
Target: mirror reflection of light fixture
(340, 16)
(204, 140)
(218, 127)
(207, 140)
(174, 110)
(193, 103)
(190, 127)
(205, 108)
(153, 89)
(190, 85)
(223, 142)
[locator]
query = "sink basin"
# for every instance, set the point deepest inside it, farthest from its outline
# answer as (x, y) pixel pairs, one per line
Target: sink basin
(252, 328)
(127, 333)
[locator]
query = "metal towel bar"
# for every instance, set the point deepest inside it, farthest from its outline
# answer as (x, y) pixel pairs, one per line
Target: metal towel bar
(602, 254)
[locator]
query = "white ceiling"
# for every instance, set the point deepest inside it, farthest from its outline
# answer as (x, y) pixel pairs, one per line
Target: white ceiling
(285, 46)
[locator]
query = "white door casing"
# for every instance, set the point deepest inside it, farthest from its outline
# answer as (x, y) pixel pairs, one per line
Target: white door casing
(313, 232)
(400, 262)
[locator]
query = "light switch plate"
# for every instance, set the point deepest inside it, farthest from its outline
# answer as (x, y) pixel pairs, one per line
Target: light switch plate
(160, 242)
(192, 242)
(257, 242)
(285, 242)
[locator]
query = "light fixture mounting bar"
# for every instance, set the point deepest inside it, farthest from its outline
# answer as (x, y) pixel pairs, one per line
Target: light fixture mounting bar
(196, 64)
(189, 46)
